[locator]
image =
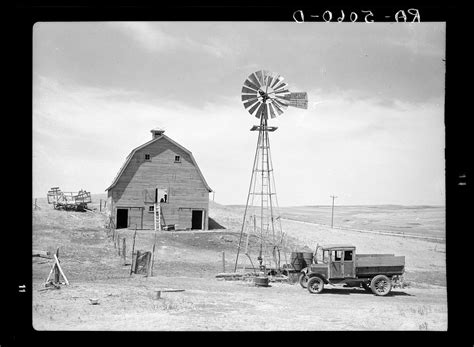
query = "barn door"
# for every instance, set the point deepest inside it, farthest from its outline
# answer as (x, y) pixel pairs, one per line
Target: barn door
(196, 219)
(122, 218)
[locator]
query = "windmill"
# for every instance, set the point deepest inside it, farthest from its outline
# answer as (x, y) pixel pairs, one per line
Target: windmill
(264, 95)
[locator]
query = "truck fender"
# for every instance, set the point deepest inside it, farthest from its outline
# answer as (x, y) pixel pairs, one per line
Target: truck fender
(310, 275)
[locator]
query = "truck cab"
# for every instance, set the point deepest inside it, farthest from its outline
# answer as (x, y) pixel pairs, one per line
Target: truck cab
(339, 264)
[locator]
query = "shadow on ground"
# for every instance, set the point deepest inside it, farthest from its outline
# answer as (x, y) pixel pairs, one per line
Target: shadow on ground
(347, 291)
(212, 225)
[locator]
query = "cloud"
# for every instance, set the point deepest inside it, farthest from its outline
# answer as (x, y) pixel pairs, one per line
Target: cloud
(358, 148)
(421, 39)
(153, 38)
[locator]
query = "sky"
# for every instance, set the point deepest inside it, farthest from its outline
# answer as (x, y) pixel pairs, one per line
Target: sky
(373, 132)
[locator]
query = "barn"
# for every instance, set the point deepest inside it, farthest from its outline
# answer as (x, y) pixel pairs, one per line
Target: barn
(164, 172)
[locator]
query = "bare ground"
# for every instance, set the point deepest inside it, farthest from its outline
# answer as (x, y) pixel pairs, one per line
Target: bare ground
(190, 260)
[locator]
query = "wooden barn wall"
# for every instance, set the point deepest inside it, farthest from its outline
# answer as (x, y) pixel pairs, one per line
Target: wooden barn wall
(186, 189)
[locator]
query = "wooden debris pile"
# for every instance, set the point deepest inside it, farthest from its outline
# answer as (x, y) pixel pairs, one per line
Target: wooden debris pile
(70, 201)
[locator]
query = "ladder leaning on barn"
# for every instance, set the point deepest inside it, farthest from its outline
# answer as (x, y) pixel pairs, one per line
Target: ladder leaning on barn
(157, 222)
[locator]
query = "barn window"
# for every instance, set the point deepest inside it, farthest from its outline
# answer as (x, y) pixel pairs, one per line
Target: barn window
(177, 159)
(147, 157)
(151, 208)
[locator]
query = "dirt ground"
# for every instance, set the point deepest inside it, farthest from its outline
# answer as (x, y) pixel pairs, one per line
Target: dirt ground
(190, 261)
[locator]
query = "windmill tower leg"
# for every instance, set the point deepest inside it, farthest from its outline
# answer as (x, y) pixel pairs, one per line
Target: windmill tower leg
(264, 208)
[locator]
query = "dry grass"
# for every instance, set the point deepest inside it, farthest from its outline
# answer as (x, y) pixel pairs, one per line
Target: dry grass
(190, 260)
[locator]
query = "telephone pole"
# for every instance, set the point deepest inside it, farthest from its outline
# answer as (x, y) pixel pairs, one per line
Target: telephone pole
(332, 210)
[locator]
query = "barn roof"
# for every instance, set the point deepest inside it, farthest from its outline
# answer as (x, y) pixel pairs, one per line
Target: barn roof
(129, 157)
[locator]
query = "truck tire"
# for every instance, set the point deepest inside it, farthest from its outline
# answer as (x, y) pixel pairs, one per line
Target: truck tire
(315, 285)
(303, 280)
(381, 285)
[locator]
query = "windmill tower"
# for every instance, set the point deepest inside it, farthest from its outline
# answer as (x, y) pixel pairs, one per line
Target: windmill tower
(264, 94)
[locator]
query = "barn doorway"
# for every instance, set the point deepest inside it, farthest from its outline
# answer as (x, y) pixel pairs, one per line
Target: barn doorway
(122, 218)
(196, 219)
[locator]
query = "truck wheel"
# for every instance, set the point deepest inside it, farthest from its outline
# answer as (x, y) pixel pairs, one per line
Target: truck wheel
(315, 285)
(303, 280)
(381, 285)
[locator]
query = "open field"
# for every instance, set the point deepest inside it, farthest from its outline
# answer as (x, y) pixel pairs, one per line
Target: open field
(426, 221)
(190, 260)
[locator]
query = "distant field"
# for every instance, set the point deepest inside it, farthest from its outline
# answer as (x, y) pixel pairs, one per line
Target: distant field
(415, 220)
(412, 220)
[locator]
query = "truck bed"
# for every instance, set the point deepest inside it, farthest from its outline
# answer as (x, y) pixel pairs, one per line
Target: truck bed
(375, 264)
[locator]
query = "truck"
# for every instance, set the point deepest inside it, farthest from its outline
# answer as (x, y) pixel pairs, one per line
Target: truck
(340, 265)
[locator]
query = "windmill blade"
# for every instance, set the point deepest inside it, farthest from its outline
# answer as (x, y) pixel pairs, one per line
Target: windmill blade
(282, 99)
(249, 103)
(272, 112)
(248, 90)
(268, 77)
(251, 85)
(261, 111)
(281, 104)
(246, 97)
(270, 81)
(283, 91)
(280, 86)
(254, 107)
(260, 78)
(277, 80)
(277, 108)
(254, 80)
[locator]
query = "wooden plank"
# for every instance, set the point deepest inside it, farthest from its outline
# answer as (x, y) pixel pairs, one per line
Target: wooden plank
(60, 269)
(379, 270)
(43, 254)
(380, 261)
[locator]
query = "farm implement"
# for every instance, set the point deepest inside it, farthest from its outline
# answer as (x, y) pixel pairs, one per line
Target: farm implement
(70, 201)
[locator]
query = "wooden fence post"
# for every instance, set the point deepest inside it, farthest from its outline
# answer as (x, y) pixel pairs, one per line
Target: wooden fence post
(223, 261)
(132, 269)
(56, 269)
(117, 244)
(100, 205)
